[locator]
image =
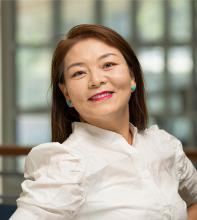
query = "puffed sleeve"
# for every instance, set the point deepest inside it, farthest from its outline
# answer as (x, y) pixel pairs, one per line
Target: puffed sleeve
(53, 188)
(187, 176)
(185, 171)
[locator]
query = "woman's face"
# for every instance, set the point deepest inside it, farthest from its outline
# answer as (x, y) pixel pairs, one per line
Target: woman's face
(91, 67)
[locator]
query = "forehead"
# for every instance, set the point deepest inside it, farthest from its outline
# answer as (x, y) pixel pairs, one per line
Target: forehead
(90, 48)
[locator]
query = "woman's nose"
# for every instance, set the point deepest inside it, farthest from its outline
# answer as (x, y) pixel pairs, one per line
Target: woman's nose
(96, 79)
(95, 84)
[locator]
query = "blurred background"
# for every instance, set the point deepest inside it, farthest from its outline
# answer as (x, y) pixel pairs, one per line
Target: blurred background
(163, 33)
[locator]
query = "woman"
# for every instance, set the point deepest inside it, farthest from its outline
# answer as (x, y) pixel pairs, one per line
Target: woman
(104, 163)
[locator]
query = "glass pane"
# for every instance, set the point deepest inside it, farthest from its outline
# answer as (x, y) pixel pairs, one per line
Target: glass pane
(181, 128)
(76, 12)
(34, 21)
(176, 103)
(154, 83)
(150, 20)
(156, 104)
(33, 75)
(32, 129)
(180, 19)
(152, 61)
(116, 15)
(180, 66)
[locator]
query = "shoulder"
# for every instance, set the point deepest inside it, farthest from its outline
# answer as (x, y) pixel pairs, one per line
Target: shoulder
(157, 133)
(54, 178)
(53, 155)
(160, 138)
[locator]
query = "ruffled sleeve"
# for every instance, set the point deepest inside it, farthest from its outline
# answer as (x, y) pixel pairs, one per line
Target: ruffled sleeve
(54, 185)
(184, 169)
(187, 176)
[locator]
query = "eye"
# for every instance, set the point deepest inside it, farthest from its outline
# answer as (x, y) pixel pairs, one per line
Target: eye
(78, 73)
(108, 65)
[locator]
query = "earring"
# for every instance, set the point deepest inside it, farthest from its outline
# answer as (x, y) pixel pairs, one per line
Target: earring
(69, 103)
(133, 87)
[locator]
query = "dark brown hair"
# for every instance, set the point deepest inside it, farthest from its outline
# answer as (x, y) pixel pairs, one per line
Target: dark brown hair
(61, 115)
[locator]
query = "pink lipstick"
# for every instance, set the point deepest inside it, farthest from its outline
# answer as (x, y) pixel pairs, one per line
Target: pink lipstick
(101, 96)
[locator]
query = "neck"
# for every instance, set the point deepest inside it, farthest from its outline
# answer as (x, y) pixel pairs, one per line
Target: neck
(120, 126)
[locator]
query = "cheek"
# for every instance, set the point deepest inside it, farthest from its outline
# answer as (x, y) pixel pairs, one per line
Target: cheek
(74, 91)
(122, 78)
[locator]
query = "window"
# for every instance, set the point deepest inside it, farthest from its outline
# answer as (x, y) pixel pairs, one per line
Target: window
(162, 33)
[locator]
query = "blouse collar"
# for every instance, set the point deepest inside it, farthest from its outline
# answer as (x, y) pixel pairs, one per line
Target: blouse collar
(84, 129)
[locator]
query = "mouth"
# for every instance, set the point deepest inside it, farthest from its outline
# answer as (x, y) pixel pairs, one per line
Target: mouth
(101, 96)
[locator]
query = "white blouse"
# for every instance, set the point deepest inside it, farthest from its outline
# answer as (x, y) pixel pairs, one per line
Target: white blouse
(96, 175)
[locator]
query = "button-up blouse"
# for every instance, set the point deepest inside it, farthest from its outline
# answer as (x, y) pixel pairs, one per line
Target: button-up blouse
(96, 175)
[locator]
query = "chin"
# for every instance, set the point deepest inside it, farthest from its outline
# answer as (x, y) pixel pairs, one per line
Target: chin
(103, 113)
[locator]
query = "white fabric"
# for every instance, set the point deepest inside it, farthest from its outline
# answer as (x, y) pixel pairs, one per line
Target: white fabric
(96, 175)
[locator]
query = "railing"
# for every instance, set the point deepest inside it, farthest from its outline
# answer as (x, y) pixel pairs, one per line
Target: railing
(192, 154)
(13, 150)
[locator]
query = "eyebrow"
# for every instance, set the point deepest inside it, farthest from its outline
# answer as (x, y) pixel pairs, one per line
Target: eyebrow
(81, 64)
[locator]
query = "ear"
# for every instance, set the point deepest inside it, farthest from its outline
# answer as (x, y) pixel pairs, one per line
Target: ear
(132, 82)
(132, 76)
(64, 90)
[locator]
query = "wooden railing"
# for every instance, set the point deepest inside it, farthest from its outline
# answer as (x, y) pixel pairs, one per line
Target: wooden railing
(13, 150)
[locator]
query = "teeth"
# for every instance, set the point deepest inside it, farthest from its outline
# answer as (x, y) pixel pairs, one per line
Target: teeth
(101, 96)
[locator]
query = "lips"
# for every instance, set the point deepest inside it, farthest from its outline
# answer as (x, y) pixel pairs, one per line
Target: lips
(100, 95)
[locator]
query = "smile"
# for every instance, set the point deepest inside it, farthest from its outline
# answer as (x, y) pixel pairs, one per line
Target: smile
(101, 97)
